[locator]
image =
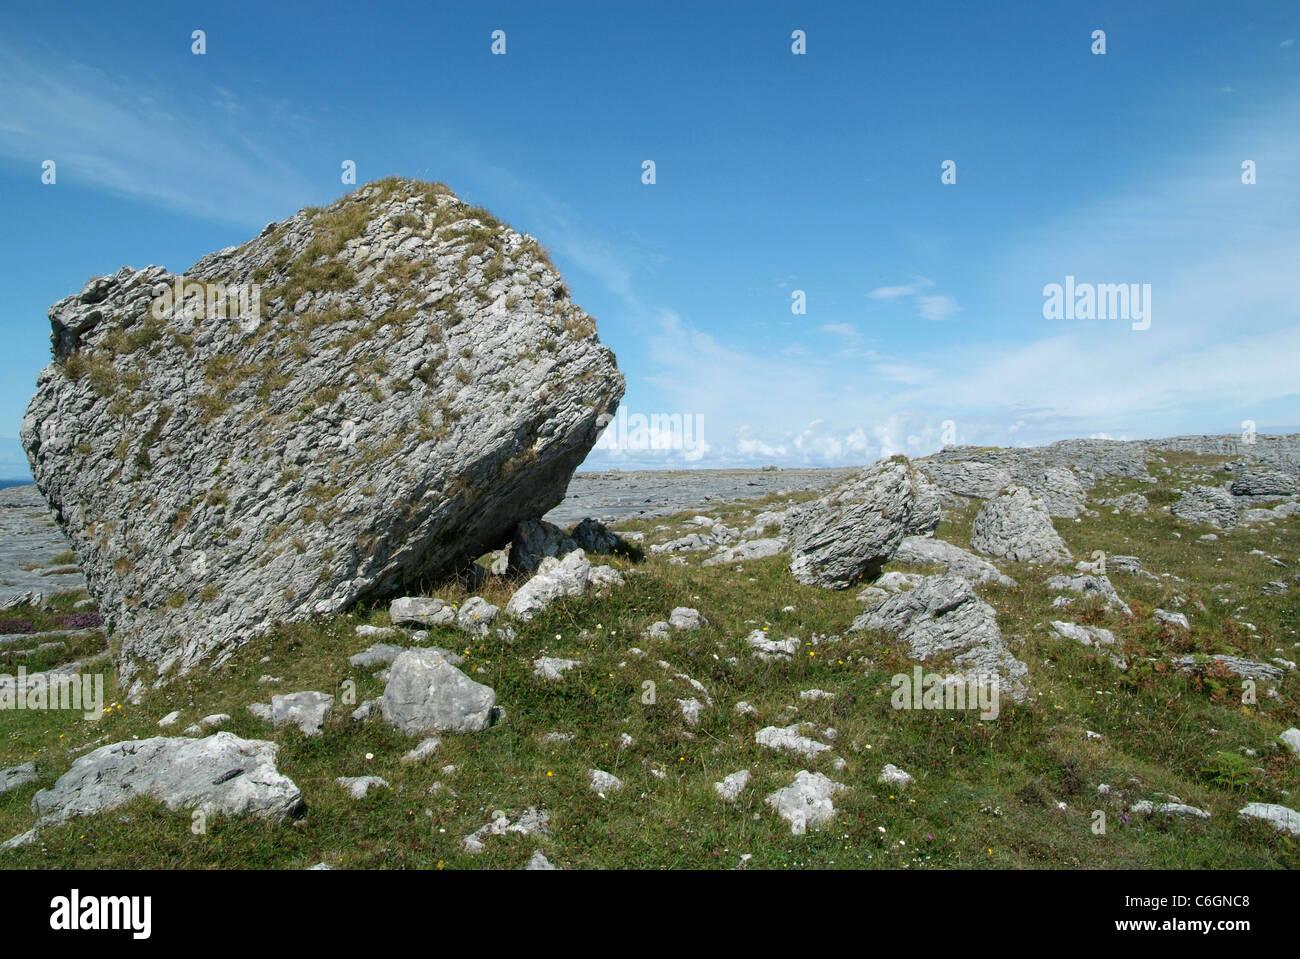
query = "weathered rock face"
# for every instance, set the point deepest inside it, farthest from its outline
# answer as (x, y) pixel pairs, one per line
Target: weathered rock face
(427, 694)
(416, 384)
(942, 618)
(1210, 505)
(218, 774)
(1016, 526)
(853, 530)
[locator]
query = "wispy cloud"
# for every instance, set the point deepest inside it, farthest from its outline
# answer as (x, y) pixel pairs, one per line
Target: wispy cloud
(200, 157)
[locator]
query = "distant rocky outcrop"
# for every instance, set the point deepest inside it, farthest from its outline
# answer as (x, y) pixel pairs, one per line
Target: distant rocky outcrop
(409, 383)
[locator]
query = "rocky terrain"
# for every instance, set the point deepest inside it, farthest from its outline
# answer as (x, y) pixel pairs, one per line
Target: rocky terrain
(723, 685)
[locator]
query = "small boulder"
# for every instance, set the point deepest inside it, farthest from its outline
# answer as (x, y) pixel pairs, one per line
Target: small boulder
(427, 694)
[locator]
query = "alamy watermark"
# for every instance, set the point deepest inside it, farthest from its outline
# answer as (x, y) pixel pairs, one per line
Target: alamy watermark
(48, 691)
(922, 690)
(1100, 301)
(656, 431)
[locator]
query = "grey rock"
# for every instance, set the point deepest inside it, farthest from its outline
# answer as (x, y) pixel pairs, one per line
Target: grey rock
(1207, 505)
(220, 773)
(1173, 619)
(30, 539)
(789, 739)
(534, 541)
(732, 786)
(553, 668)
(1281, 818)
(942, 618)
(1290, 739)
(1251, 482)
(531, 822)
(1246, 668)
(422, 611)
(359, 786)
(893, 776)
(807, 801)
(968, 479)
(1084, 635)
(1017, 527)
(424, 750)
(17, 776)
(427, 694)
(685, 618)
(555, 579)
(476, 616)
(244, 434)
(1085, 585)
(851, 532)
(923, 551)
(380, 654)
(746, 550)
(1180, 810)
(170, 718)
(603, 782)
(594, 536)
(306, 710)
(1128, 503)
(772, 649)
(538, 862)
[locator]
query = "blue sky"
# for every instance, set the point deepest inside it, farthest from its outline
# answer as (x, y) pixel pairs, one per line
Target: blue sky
(775, 173)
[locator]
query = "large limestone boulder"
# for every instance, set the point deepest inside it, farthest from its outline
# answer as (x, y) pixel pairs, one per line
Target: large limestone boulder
(1016, 526)
(411, 381)
(851, 532)
(217, 774)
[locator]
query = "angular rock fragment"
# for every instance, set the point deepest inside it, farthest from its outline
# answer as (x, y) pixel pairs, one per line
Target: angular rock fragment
(1281, 818)
(305, 710)
(1017, 527)
(732, 786)
(942, 618)
(217, 774)
(922, 550)
(807, 801)
(1207, 505)
(427, 694)
(1099, 586)
(359, 786)
(851, 532)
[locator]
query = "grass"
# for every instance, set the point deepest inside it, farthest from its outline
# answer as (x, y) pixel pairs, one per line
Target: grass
(987, 794)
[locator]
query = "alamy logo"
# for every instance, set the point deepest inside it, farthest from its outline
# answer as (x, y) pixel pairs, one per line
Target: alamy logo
(1101, 301)
(210, 301)
(39, 692)
(923, 690)
(658, 431)
(75, 912)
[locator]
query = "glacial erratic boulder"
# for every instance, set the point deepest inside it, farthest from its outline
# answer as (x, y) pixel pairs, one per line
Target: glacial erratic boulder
(1016, 526)
(851, 532)
(358, 398)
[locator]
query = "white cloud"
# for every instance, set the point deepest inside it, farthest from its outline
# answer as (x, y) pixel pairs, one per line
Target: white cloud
(940, 307)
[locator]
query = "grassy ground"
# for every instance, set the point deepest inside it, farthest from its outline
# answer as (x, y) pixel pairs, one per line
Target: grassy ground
(1019, 791)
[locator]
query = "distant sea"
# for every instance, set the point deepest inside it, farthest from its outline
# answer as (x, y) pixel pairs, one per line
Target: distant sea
(6, 483)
